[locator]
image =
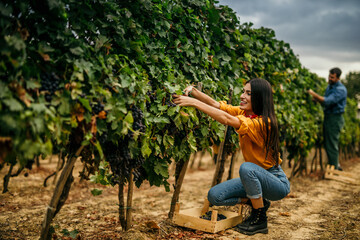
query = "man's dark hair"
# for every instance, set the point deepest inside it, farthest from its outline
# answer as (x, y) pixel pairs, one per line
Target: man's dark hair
(337, 71)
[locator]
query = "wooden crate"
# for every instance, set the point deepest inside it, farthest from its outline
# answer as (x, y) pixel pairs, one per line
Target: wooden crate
(341, 176)
(190, 218)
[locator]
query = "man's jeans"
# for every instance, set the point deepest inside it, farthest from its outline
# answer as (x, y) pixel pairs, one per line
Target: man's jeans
(254, 182)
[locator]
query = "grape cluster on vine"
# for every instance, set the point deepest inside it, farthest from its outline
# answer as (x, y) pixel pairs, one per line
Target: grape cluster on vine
(97, 107)
(89, 165)
(171, 128)
(49, 84)
(102, 138)
(139, 175)
(169, 101)
(138, 117)
(152, 97)
(171, 104)
(121, 162)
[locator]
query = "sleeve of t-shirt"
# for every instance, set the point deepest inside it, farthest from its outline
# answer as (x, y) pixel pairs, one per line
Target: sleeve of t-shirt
(249, 127)
(232, 110)
(252, 128)
(335, 97)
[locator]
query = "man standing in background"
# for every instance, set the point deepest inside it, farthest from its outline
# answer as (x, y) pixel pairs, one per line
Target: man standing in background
(334, 103)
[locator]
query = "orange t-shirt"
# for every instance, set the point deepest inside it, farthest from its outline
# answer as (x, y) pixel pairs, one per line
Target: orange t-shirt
(251, 141)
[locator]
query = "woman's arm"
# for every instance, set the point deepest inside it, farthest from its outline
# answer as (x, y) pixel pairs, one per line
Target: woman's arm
(213, 111)
(201, 96)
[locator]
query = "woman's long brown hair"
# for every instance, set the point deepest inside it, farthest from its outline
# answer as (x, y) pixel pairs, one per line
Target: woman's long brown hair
(263, 104)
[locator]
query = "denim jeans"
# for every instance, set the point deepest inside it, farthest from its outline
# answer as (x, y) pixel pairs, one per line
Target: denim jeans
(254, 182)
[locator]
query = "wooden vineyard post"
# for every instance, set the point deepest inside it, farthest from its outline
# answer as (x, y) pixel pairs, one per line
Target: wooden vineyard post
(129, 201)
(200, 158)
(50, 211)
(220, 163)
(122, 218)
(221, 157)
(317, 156)
(232, 165)
(192, 159)
(178, 183)
(179, 180)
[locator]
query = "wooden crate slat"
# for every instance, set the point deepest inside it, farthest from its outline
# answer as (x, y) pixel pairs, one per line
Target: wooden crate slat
(341, 173)
(342, 179)
(190, 218)
(333, 174)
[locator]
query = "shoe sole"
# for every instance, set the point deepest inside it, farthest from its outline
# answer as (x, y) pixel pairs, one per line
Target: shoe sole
(264, 231)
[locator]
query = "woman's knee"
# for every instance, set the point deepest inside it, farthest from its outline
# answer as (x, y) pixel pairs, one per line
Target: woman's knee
(245, 168)
(213, 197)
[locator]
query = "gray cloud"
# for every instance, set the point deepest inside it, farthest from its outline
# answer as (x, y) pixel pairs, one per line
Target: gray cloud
(326, 30)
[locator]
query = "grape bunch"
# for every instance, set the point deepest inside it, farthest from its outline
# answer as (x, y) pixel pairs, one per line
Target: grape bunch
(86, 155)
(139, 175)
(49, 84)
(152, 97)
(171, 128)
(116, 160)
(90, 166)
(169, 102)
(121, 162)
(102, 138)
(97, 107)
(207, 216)
(138, 117)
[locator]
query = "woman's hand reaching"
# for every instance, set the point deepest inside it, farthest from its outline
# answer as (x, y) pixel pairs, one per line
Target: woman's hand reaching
(197, 97)
(212, 111)
(188, 90)
(183, 100)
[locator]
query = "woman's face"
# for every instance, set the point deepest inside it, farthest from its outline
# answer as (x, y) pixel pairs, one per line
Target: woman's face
(245, 98)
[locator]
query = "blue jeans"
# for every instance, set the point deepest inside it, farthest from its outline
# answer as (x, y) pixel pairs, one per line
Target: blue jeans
(254, 182)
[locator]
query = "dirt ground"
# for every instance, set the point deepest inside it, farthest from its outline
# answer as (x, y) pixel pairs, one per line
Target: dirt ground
(315, 208)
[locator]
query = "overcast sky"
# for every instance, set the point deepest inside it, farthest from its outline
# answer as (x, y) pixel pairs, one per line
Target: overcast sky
(323, 33)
